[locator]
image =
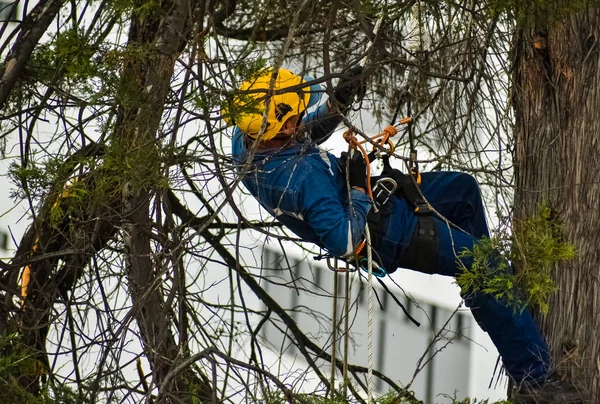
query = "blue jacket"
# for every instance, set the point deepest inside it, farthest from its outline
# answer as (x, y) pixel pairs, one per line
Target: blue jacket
(304, 187)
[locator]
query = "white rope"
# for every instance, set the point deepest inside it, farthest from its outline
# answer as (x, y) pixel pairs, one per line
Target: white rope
(370, 261)
(369, 318)
(346, 329)
(334, 333)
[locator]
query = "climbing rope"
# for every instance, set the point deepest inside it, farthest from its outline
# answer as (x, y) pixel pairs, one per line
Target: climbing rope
(334, 333)
(369, 318)
(381, 140)
(346, 330)
(354, 144)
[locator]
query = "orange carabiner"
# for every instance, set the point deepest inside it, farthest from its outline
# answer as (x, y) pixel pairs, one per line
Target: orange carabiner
(383, 139)
(414, 171)
(414, 167)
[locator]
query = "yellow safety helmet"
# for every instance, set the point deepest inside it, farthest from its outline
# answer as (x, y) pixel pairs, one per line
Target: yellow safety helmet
(281, 106)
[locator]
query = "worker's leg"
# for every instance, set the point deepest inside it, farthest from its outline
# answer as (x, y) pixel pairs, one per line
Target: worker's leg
(514, 332)
(457, 197)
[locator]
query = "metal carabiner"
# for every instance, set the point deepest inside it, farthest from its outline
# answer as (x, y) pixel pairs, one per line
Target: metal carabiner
(376, 269)
(382, 143)
(335, 262)
(413, 167)
(336, 268)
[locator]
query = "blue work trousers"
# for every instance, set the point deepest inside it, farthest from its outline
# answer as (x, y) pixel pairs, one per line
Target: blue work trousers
(514, 333)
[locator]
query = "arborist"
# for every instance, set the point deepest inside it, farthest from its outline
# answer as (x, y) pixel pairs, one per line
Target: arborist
(275, 147)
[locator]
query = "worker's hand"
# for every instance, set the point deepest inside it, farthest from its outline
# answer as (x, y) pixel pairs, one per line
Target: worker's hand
(351, 85)
(357, 171)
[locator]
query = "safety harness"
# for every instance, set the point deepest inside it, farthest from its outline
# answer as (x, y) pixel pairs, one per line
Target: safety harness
(424, 242)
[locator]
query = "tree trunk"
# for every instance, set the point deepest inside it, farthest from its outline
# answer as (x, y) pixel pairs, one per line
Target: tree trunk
(557, 159)
(162, 35)
(68, 246)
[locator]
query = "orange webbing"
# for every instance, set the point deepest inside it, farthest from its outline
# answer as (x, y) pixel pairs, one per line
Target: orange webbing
(25, 278)
(360, 247)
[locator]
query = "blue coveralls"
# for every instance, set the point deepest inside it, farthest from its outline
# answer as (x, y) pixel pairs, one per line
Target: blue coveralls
(305, 189)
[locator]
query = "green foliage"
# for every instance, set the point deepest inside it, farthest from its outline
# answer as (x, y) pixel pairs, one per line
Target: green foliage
(489, 272)
(42, 63)
(73, 54)
(18, 361)
(87, 68)
(474, 401)
(141, 168)
(40, 177)
(72, 198)
(405, 397)
(82, 184)
(538, 245)
(251, 68)
(535, 247)
(32, 174)
(148, 8)
(125, 89)
(539, 13)
(72, 49)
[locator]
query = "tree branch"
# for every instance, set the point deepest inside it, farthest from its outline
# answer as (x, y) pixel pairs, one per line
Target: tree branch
(31, 30)
(302, 341)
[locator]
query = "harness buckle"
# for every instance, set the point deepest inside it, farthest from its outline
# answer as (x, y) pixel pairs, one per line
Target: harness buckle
(383, 190)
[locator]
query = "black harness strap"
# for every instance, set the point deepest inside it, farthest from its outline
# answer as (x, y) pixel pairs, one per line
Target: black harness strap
(422, 252)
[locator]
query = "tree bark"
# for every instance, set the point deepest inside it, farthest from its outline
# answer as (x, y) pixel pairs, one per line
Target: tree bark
(557, 159)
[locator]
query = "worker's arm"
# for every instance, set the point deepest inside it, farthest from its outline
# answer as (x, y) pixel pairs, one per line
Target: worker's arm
(339, 228)
(321, 123)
